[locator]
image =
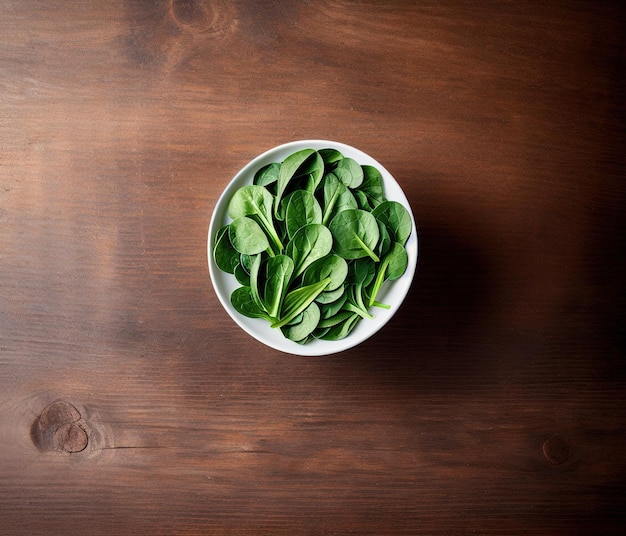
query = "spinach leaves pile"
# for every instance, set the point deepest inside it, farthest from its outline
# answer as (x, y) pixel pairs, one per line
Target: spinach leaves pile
(311, 242)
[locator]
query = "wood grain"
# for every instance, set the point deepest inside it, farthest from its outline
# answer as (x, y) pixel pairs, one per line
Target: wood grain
(493, 402)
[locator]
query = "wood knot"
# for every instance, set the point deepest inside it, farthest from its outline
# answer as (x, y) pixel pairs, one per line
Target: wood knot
(59, 428)
(193, 13)
(556, 450)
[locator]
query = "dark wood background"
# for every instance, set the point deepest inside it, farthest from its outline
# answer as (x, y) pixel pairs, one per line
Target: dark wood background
(493, 403)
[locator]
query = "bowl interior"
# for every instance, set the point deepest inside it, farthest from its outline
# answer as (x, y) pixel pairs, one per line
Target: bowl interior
(392, 293)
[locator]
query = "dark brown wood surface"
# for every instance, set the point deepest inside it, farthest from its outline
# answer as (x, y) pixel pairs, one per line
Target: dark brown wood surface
(130, 403)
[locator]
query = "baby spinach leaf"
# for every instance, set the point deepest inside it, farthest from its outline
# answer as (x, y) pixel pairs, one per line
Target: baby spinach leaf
(335, 319)
(242, 276)
(279, 270)
(342, 329)
(279, 216)
(393, 266)
(337, 198)
(384, 242)
(331, 309)
(332, 266)
(331, 296)
(289, 170)
(312, 171)
(250, 200)
(355, 234)
(354, 308)
(256, 201)
(256, 282)
(298, 300)
(362, 271)
(225, 255)
(361, 274)
(307, 324)
(330, 157)
(349, 172)
(246, 262)
(396, 218)
(398, 260)
(355, 303)
(346, 201)
(309, 243)
(332, 189)
(362, 200)
(372, 186)
(247, 237)
(302, 209)
(267, 175)
(245, 304)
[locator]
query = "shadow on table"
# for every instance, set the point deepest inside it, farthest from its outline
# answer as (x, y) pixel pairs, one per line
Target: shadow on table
(441, 334)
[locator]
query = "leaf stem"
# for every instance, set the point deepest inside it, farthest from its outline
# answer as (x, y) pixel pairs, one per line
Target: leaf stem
(367, 250)
(361, 312)
(298, 300)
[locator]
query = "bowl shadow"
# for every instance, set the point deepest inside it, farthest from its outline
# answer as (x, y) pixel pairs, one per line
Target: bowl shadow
(440, 334)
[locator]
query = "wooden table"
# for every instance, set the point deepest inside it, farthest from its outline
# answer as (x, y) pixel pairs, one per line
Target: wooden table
(130, 402)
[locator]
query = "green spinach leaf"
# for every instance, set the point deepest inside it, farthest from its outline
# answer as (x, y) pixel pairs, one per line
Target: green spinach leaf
(302, 209)
(298, 300)
(349, 172)
(393, 266)
(256, 201)
(289, 170)
(309, 243)
(245, 304)
(308, 322)
(247, 237)
(396, 218)
(225, 255)
(267, 176)
(279, 270)
(355, 234)
(332, 266)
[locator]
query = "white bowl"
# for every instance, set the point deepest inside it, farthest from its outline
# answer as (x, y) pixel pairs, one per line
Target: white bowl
(392, 292)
